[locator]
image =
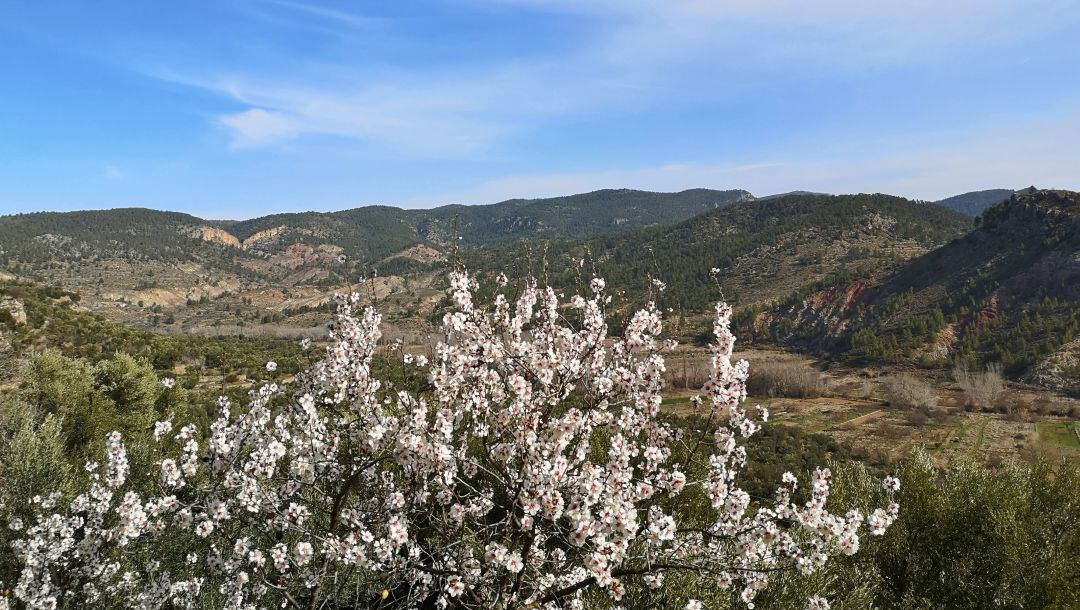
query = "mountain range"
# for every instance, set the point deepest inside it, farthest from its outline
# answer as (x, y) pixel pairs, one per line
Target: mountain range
(370, 233)
(366, 234)
(985, 276)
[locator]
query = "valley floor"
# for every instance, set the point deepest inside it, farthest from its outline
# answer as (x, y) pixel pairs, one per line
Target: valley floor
(853, 409)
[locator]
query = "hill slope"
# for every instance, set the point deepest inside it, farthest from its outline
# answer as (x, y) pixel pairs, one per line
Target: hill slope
(577, 216)
(139, 265)
(973, 203)
(365, 234)
(1008, 292)
(764, 248)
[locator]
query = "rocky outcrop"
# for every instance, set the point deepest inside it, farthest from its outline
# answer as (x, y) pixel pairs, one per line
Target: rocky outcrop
(828, 312)
(14, 308)
(215, 235)
(942, 345)
(298, 255)
(420, 253)
(262, 236)
(1060, 370)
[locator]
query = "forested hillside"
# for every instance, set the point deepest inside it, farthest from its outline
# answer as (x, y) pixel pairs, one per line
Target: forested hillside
(130, 233)
(764, 248)
(1007, 292)
(141, 266)
(973, 203)
(576, 216)
(865, 278)
(366, 234)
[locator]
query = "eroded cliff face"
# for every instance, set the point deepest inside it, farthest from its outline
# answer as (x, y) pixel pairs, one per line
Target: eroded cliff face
(298, 255)
(215, 235)
(420, 253)
(266, 238)
(814, 322)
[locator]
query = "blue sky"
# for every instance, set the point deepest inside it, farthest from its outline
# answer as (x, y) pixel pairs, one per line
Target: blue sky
(238, 108)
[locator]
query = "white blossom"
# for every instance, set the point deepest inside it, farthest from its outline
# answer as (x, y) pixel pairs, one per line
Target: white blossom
(532, 468)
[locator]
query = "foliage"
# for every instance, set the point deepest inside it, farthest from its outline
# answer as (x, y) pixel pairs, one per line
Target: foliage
(53, 323)
(535, 470)
(966, 538)
(33, 460)
(1005, 293)
(975, 202)
(969, 537)
(89, 401)
(678, 254)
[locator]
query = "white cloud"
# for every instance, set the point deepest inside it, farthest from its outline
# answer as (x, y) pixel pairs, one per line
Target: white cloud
(843, 34)
(112, 172)
(641, 54)
(431, 119)
(257, 127)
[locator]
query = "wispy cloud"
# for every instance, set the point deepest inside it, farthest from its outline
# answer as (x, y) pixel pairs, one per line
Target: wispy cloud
(339, 17)
(642, 54)
(840, 34)
(430, 119)
(112, 172)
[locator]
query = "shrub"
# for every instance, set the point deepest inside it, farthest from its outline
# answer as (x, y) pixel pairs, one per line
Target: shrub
(788, 379)
(916, 418)
(1015, 406)
(982, 389)
(968, 536)
(909, 392)
(534, 468)
(32, 460)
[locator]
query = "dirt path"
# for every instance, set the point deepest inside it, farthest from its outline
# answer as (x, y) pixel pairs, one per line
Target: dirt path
(857, 419)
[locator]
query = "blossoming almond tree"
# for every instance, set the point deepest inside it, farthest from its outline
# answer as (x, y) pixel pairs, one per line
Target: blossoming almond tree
(534, 468)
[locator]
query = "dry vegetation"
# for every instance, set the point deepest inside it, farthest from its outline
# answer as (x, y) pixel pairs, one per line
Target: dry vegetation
(785, 379)
(883, 415)
(981, 390)
(908, 391)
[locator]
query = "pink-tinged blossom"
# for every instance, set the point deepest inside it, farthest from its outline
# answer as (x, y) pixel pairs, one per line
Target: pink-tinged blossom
(161, 429)
(891, 483)
(533, 467)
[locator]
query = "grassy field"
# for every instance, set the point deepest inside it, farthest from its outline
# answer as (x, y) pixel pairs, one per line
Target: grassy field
(1059, 433)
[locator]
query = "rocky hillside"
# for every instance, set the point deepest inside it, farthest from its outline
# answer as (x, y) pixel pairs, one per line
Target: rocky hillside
(764, 248)
(143, 266)
(366, 234)
(1008, 292)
